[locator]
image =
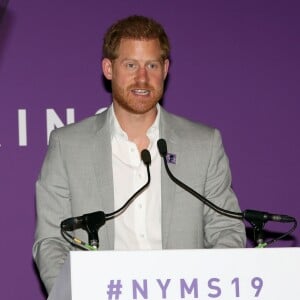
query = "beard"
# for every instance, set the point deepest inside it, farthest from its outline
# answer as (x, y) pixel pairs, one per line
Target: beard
(136, 103)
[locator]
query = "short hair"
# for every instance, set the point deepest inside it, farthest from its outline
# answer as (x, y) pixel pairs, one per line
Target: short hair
(137, 28)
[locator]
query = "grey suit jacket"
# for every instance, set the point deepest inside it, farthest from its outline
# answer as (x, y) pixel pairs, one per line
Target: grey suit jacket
(76, 178)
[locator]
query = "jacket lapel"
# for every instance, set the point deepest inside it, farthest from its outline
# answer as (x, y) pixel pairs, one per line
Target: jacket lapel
(168, 133)
(104, 176)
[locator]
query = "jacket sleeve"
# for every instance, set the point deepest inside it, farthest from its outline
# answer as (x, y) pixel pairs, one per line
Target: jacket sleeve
(53, 205)
(221, 231)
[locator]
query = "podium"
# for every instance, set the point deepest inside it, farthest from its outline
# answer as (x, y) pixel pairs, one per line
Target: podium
(223, 274)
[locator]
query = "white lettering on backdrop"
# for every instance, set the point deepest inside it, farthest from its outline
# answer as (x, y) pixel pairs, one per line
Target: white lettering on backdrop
(52, 121)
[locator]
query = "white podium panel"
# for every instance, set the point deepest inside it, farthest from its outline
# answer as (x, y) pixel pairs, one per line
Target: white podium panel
(222, 274)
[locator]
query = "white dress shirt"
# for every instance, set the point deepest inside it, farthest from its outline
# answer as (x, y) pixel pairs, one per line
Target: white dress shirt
(139, 227)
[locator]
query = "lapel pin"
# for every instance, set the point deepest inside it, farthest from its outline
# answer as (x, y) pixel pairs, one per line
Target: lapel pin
(171, 158)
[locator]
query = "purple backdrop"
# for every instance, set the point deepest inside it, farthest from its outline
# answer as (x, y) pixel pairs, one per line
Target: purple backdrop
(235, 65)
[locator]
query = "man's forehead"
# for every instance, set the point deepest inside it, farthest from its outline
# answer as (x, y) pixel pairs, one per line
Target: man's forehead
(139, 45)
(125, 40)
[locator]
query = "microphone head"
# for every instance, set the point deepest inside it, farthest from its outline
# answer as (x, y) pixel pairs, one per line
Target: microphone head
(71, 224)
(162, 147)
(146, 157)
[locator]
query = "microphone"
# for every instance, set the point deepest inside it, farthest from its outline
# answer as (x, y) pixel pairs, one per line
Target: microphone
(96, 218)
(162, 148)
(146, 157)
(249, 215)
(252, 215)
(92, 222)
(256, 218)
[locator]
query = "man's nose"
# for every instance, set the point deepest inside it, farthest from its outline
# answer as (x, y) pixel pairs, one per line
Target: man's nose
(142, 74)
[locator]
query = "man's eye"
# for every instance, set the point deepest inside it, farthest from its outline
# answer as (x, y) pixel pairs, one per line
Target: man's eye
(130, 65)
(153, 66)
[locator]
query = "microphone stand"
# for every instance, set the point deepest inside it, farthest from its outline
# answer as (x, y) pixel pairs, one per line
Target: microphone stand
(92, 227)
(90, 222)
(258, 234)
(258, 220)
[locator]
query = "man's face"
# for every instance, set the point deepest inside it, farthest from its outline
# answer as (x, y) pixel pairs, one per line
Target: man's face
(137, 75)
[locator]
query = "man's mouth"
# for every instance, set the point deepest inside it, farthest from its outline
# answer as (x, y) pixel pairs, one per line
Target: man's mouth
(141, 92)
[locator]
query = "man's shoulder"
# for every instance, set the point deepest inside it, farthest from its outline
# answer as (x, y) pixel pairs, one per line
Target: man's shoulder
(185, 125)
(83, 128)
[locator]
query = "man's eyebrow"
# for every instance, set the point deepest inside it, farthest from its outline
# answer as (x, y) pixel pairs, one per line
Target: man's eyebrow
(159, 60)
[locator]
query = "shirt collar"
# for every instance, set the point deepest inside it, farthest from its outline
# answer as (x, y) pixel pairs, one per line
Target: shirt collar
(117, 131)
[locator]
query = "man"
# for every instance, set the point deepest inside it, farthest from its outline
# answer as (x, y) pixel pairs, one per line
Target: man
(95, 165)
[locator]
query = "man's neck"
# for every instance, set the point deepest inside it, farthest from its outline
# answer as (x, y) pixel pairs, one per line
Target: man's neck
(136, 125)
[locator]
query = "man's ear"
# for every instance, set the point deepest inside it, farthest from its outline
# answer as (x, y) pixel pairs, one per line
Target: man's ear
(107, 68)
(166, 67)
